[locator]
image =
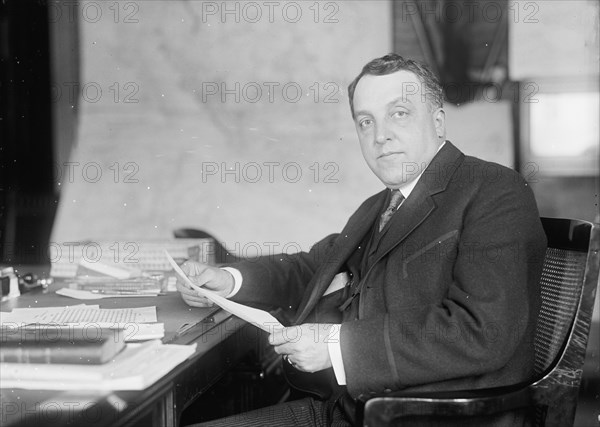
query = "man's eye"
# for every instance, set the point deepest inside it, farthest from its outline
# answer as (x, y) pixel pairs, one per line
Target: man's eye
(399, 114)
(365, 123)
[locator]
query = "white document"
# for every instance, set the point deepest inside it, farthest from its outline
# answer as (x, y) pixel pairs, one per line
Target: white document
(81, 314)
(110, 270)
(86, 295)
(34, 309)
(144, 328)
(137, 367)
(143, 331)
(259, 318)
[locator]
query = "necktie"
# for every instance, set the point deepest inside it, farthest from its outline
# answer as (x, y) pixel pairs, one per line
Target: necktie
(395, 201)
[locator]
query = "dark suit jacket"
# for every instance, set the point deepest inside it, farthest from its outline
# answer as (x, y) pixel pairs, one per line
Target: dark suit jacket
(451, 298)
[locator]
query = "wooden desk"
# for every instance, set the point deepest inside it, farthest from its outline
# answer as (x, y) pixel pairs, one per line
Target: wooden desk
(222, 341)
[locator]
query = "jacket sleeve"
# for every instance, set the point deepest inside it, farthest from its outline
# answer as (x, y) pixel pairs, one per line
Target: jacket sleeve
(279, 280)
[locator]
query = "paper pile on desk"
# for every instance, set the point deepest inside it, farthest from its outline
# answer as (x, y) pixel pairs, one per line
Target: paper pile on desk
(126, 258)
(138, 323)
(137, 367)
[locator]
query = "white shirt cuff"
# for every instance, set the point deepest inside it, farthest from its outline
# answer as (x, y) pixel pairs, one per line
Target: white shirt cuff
(335, 354)
(237, 280)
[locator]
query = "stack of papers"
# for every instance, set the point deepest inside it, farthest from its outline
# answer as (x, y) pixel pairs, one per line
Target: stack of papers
(138, 323)
(126, 259)
(137, 367)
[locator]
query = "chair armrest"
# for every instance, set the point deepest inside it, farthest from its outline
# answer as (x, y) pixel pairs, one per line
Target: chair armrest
(382, 409)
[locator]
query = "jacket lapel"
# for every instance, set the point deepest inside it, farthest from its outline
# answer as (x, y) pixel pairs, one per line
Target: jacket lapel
(409, 216)
(416, 208)
(348, 240)
(420, 204)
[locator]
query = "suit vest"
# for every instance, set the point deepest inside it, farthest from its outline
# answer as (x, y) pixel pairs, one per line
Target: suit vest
(341, 306)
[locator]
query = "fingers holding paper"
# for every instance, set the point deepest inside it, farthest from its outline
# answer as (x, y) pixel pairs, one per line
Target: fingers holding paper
(202, 275)
(191, 296)
(304, 346)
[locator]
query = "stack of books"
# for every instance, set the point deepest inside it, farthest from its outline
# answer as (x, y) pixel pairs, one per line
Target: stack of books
(65, 344)
(82, 359)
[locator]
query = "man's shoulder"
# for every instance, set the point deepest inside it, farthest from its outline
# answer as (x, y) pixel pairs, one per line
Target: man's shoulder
(488, 172)
(452, 168)
(485, 182)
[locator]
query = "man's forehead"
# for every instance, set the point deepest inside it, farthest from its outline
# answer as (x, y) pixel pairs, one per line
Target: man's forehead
(403, 85)
(402, 79)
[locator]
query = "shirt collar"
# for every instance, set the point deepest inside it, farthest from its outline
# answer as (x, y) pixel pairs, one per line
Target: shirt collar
(408, 187)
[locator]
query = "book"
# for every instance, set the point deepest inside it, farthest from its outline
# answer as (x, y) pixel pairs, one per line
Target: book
(137, 367)
(60, 344)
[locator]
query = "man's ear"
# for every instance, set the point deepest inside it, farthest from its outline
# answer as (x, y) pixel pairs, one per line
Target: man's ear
(439, 121)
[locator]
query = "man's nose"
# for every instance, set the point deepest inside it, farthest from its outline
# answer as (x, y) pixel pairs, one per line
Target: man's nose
(382, 134)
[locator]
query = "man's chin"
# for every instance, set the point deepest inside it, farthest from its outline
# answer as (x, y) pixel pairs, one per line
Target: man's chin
(393, 184)
(396, 181)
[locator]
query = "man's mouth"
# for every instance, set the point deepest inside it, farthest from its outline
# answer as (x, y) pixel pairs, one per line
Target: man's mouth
(389, 154)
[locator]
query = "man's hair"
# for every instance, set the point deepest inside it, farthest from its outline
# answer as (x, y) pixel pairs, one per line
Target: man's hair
(431, 88)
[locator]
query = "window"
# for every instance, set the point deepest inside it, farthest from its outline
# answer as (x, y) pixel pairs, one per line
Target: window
(559, 126)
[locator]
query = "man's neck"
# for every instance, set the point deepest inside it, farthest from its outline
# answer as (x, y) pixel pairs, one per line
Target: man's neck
(407, 187)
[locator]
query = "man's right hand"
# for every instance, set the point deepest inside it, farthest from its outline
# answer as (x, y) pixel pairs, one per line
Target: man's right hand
(212, 278)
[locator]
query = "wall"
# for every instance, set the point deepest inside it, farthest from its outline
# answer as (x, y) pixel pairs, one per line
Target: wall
(173, 148)
(553, 38)
(562, 44)
(559, 41)
(302, 154)
(172, 153)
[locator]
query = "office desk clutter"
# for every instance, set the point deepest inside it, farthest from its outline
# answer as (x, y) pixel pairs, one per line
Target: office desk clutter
(126, 259)
(9, 284)
(13, 285)
(171, 352)
(60, 344)
(97, 287)
(86, 347)
(136, 367)
(137, 322)
(106, 269)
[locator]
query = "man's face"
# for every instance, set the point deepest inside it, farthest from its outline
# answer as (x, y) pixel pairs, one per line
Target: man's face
(398, 133)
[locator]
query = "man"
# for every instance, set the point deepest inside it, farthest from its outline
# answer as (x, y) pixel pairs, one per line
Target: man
(442, 266)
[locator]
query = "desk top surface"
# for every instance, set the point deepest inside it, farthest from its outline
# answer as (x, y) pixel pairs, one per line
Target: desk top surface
(178, 317)
(207, 327)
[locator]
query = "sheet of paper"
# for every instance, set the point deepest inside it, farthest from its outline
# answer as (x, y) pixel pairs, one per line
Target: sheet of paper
(142, 331)
(135, 368)
(259, 318)
(110, 270)
(81, 314)
(145, 331)
(33, 309)
(132, 332)
(87, 295)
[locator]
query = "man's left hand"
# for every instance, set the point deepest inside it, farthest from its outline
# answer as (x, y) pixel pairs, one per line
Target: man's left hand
(304, 346)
